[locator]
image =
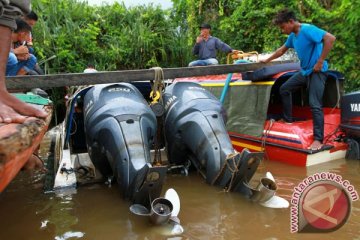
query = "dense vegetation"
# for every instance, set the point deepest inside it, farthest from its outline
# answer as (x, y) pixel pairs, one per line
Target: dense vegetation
(115, 37)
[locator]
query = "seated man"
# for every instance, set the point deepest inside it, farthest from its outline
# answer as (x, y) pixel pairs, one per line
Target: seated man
(31, 19)
(206, 46)
(90, 68)
(20, 61)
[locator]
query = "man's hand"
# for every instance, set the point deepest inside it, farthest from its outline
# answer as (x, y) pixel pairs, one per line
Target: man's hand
(34, 164)
(23, 57)
(318, 66)
(21, 50)
(199, 39)
(278, 53)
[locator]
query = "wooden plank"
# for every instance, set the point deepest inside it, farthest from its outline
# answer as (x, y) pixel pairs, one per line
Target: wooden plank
(76, 79)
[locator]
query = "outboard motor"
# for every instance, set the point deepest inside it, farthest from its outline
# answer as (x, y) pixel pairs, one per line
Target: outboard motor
(350, 114)
(120, 129)
(350, 122)
(195, 130)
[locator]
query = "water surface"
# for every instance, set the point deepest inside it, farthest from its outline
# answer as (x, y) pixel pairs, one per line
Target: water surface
(99, 212)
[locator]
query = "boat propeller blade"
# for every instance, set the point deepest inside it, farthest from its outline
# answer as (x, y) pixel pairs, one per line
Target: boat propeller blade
(264, 193)
(173, 197)
(276, 202)
(270, 176)
(161, 210)
(139, 210)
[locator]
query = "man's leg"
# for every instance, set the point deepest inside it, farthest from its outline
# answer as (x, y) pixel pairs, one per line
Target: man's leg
(12, 65)
(30, 63)
(211, 61)
(26, 66)
(197, 63)
(293, 83)
(316, 91)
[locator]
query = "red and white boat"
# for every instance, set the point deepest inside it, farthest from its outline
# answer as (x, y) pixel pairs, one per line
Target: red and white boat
(253, 106)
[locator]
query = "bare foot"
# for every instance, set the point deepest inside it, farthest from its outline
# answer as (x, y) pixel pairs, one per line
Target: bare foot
(316, 145)
(12, 110)
(283, 121)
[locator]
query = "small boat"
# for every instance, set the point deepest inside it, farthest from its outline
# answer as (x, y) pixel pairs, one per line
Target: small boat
(19, 141)
(253, 106)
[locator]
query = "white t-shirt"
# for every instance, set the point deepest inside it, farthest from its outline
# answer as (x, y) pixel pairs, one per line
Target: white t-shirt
(90, 70)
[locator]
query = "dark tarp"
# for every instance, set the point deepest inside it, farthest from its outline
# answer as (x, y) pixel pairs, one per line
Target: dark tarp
(246, 107)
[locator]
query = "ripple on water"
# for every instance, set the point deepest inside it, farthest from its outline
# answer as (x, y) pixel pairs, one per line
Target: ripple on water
(69, 235)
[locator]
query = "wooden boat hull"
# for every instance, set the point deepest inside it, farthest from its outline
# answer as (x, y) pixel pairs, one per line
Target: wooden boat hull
(17, 143)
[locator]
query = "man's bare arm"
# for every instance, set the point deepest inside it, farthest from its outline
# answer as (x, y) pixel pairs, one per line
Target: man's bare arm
(328, 41)
(278, 53)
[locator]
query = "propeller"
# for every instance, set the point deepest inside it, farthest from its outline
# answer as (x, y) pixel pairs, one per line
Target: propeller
(265, 192)
(163, 211)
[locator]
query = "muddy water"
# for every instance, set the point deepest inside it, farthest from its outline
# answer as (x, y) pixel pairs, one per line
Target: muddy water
(98, 212)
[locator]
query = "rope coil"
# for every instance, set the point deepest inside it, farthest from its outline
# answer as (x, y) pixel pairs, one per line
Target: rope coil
(157, 106)
(158, 85)
(233, 168)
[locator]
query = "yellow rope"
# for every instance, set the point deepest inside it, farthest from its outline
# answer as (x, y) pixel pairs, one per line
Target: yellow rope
(158, 86)
(155, 95)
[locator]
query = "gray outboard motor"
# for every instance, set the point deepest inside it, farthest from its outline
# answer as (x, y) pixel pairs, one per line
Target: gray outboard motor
(350, 123)
(350, 114)
(195, 130)
(120, 129)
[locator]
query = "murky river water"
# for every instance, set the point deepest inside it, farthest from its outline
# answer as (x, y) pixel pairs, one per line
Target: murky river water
(98, 212)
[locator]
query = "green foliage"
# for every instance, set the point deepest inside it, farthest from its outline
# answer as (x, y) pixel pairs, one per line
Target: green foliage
(115, 37)
(111, 36)
(246, 25)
